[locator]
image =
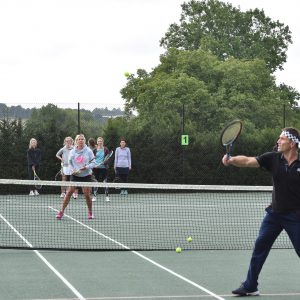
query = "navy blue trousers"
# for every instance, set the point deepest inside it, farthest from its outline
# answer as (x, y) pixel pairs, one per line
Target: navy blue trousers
(272, 225)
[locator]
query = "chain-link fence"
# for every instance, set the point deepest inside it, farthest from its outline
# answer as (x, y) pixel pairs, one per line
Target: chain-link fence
(183, 151)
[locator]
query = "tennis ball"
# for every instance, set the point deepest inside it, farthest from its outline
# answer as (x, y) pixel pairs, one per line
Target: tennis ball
(178, 250)
(189, 239)
(127, 74)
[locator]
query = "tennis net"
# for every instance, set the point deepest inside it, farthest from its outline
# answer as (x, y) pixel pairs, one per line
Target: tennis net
(149, 217)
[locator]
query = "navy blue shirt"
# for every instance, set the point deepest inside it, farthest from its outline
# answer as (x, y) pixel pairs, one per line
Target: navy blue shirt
(33, 157)
(286, 181)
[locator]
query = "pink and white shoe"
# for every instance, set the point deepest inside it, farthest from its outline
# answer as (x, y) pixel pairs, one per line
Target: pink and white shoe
(90, 215)
(59, 215)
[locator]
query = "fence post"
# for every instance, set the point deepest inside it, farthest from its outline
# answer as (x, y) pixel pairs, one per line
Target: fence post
(182, 147)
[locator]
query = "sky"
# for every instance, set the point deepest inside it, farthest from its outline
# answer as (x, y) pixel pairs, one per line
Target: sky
(69, 51)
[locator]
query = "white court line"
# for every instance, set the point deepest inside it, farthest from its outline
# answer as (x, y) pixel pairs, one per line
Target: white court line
(145, 258)
(172, 297)
(60, 276)
(180, 297)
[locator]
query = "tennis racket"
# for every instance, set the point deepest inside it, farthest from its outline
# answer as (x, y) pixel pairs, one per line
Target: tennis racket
(75, 172)
(229, 135)
(104, 162)
(106, 190)
(117, 179)
(37, 181)
(107, 157)
(59, 174)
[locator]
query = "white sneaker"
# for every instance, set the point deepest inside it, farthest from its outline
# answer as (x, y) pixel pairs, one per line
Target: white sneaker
(107, 199)
(125, 192)
(75, 196)
(36, 192)
(94, 199)
(31, 193)
(62, 195)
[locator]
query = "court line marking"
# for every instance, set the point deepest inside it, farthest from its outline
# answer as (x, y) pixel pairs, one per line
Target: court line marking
(180, 297)
(174, 297)
(56, 272)
(169, 297)
(144, 257)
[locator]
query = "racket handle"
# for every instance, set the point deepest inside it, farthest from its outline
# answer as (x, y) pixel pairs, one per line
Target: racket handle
(228, 148)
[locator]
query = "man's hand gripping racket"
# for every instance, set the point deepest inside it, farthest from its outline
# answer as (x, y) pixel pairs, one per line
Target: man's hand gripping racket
(229, 135)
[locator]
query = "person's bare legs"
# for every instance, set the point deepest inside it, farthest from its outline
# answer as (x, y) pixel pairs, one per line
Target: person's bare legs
(87, 194)
(65, 202)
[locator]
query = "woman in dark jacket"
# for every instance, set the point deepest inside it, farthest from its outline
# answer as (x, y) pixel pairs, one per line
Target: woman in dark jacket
(33, 162)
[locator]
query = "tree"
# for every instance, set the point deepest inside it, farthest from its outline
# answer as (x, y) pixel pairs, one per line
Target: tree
(13, 148)
(226, 31)
(211, 92)
(114, 130)
(50, 125)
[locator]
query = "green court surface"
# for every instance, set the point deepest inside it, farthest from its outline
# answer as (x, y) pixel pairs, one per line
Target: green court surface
(139, 221)
(191, 274)
(162, 220)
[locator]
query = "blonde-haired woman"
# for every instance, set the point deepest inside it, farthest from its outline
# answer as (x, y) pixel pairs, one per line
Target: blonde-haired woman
(66, 172)
(82, 161)
(100, 171)
(33, 163)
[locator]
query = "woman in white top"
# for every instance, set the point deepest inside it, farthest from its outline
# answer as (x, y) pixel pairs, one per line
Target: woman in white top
(66, 171)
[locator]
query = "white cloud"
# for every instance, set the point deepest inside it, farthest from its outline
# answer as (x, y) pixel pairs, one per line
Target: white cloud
(66, 51)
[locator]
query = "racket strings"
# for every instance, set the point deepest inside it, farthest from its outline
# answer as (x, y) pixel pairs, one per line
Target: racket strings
(231, 132)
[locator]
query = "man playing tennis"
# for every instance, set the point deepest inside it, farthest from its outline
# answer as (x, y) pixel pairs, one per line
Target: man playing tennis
(284, 211)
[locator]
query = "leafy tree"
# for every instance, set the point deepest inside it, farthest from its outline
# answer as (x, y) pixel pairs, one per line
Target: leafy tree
(226, 31)
(50, 125)
(90, 126)
(14, 111)
(213, 91)
(114, 130)
(197, 88)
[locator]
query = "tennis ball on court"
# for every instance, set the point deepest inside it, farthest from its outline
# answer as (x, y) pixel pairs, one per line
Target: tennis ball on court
(189, 239)
(178, 250)
(127, 74)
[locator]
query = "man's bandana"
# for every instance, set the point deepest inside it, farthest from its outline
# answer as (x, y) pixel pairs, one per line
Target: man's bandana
(291, 137)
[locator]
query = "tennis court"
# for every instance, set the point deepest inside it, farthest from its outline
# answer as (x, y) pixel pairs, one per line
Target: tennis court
(225, 224)
(154, 275)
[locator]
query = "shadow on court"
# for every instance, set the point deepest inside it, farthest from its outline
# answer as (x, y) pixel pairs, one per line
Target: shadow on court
(142, 275)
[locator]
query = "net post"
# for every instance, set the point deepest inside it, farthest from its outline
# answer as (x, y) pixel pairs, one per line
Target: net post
(183, 155)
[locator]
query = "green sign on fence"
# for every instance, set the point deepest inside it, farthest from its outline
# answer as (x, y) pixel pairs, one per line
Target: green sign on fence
(184, 140)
